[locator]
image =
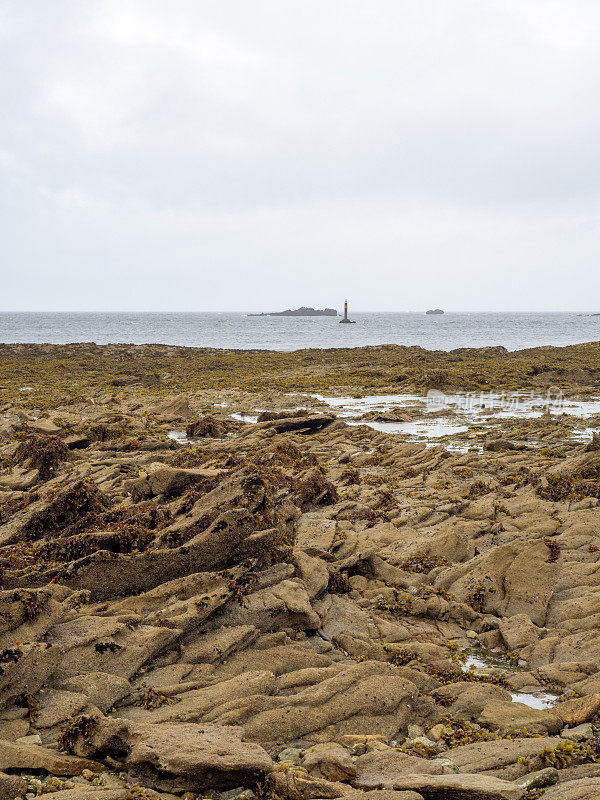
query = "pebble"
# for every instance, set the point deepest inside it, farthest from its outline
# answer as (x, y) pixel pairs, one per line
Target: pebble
(423, 740)
(436, 732)
(471, 635)
(29, 739)
(291, 754)
(376, 745)
(238, 794)
(579, 733)
(358, 749)
(446, 762)
(539, 779)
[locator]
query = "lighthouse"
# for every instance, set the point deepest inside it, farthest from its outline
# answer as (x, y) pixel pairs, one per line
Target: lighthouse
(345, 320)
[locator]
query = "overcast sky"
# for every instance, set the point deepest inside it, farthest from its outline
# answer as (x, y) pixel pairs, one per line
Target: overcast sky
(252, 155)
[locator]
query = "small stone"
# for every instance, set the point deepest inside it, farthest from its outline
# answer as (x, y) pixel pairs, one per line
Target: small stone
(29, 739)
(579, 710)
(238, 794)
(358, 749)
(292, 754)
(30, 796)
(447, 763)
(539, 780)
(471, 635)
(578, 734)
(330, 761)
(414, 731)
(112, 781)
(436, 732)
(376, 745)
(424, 741)
(349, 739)
(88, 774)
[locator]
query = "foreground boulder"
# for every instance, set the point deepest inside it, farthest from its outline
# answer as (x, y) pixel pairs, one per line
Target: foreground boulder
(578, 710)
(177, 756)
(330, 761)
(517, 716)
(584, 789)
(386, 768)
(454, 787)
(15, 756)
(162, 479)
(197, 756)
(11, 786)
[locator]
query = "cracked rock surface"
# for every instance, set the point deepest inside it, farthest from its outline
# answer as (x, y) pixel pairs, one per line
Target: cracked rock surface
(288, 608)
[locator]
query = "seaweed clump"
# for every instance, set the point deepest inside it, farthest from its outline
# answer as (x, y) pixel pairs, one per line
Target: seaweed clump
(315, 490)
(582, 482)
(477, 596)
(566, 754)
(33, 604)
(207, 427)
(423, 563)
(82, 727)
(553, 550)
(338, 583)
(399, 606)
(149, 698)
(43, 453)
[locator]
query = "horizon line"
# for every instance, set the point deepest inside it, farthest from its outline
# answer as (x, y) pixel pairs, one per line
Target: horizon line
(278, 313)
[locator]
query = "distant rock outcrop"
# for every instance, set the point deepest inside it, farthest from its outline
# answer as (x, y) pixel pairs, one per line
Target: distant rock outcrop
(435, 311)
(303, 311)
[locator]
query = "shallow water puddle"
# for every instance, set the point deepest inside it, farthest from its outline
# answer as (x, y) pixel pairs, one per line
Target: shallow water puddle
(539, 700)
(179, 436)
(471, 405)
(459, 447)
(351, 406)
(243, 416)
(584, 435)
(424, 429)
(418, 430)
(482, 662)
(247, 416)
(524, 407)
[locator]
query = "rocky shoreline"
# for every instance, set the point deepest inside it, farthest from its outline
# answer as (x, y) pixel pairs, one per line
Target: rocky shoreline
(222, 580)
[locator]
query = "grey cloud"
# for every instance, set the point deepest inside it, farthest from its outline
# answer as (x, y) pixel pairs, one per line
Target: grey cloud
(211, 155)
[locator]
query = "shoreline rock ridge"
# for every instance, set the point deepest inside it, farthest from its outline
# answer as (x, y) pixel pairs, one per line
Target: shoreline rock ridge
(233, 591)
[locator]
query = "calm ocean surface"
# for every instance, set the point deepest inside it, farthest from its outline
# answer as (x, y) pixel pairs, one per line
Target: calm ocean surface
(228, 330)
